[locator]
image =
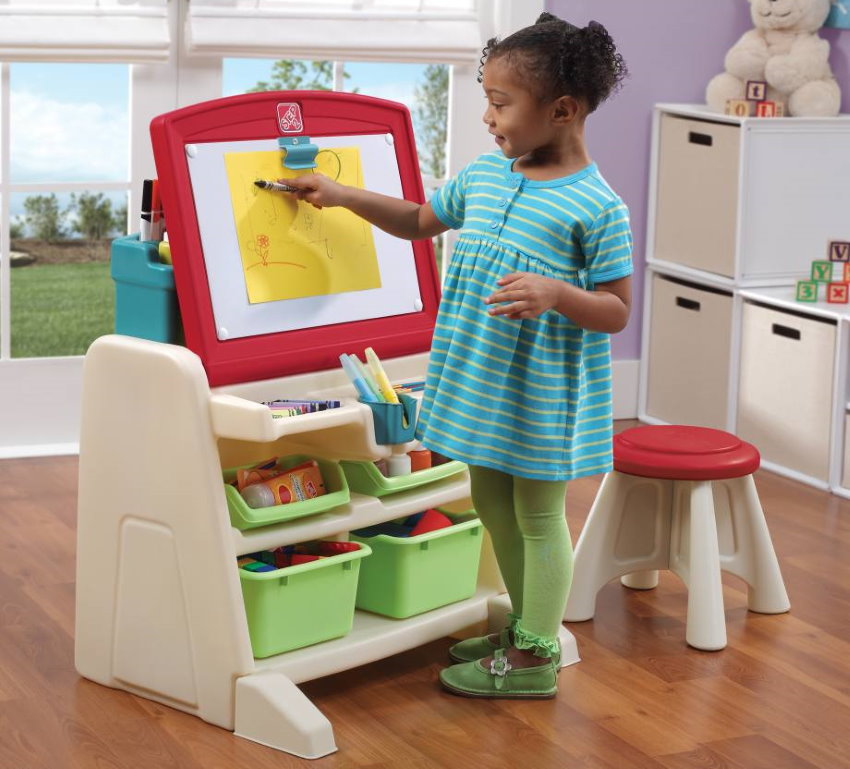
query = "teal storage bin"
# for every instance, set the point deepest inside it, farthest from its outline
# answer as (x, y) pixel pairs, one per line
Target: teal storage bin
(405, 576)
(394, 422)
(145, 298)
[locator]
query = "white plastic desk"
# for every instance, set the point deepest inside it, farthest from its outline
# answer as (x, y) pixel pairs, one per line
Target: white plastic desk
(159, 604)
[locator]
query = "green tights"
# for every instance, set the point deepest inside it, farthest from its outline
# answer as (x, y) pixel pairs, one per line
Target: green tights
(528, 528)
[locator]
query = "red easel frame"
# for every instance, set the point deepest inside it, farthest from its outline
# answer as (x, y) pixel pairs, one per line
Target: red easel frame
(255, 117)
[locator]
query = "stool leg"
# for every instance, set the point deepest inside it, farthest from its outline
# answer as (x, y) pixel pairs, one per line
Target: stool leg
(594, 566)
(760, 569)
(706, 627)
(640, 580)
(591, 554)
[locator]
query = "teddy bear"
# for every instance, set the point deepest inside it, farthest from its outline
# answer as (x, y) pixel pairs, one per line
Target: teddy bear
(785, 51)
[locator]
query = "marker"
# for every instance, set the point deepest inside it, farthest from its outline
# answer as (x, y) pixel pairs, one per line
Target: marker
(367, 376)
(361, 386)
(147, 192)
(275, 186)
(157, 221)
(381, 377)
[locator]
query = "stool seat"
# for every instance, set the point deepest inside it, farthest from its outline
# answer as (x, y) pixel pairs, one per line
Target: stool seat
(683, 499)
(683, 452)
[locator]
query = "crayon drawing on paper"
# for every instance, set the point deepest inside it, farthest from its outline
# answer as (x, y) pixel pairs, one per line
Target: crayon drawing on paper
(290, 249)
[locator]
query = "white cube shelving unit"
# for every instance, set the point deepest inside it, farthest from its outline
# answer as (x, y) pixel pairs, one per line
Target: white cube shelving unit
(738, 209)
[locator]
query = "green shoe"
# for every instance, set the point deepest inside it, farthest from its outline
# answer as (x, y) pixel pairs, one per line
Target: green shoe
(477, 648)
(501, 680)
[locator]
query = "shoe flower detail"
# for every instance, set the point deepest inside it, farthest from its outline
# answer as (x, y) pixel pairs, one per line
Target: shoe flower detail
(499, 667)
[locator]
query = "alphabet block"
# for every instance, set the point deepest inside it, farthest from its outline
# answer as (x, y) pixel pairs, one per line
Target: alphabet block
(756, 90)
(766, 109)
(839, 251)
(738, 107)
(837, 293)
(807, 291)
(822, 271)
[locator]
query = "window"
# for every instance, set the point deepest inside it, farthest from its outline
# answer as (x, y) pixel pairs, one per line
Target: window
(423, 88)
(402, 82)
(121, 63)
(67, 192)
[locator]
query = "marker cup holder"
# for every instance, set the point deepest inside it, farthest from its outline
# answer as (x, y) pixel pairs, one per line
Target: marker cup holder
(394, 422)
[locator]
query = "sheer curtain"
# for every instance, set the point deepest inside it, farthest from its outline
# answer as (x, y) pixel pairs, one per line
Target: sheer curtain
(380, 30)
(84, 30)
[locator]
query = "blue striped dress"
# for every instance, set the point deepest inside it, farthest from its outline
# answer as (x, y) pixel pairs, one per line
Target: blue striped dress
(528, 397)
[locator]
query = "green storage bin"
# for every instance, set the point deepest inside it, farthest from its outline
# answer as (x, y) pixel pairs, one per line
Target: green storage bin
(411, 575)
(366, 478)
(244, 517)
(301, 605)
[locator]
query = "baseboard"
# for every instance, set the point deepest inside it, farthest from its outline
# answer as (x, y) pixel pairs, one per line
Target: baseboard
(39, 450)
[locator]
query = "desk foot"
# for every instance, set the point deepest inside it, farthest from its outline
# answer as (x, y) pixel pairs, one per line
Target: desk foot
(273, 711)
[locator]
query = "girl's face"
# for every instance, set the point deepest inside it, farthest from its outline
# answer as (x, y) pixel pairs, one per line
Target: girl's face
(520, 121)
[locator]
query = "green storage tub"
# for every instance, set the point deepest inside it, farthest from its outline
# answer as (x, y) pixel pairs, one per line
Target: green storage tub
(410, 575)
(301, 605)
(244, 517)
(366, 478)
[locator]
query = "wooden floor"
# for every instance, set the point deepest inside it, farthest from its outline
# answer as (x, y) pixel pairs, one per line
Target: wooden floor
(778, 697)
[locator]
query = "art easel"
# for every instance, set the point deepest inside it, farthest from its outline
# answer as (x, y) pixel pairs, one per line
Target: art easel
(159, 607)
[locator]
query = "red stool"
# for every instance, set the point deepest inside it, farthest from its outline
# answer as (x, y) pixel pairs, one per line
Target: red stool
(679, 498)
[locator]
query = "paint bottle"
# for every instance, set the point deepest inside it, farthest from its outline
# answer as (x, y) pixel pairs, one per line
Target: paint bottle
(420, 458)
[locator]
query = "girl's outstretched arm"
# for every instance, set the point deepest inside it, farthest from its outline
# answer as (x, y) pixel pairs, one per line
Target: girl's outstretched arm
(402, 218)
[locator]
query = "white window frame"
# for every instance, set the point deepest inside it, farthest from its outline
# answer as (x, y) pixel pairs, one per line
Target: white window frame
(40, 397)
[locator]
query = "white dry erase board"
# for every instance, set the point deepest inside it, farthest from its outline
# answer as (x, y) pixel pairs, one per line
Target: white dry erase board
(235, 315)
(269, 286)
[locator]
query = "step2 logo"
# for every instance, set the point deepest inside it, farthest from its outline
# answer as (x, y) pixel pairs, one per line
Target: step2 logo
(289, 118)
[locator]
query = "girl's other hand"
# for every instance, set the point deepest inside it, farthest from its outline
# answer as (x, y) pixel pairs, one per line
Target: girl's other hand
(523, 295)
(317, 190)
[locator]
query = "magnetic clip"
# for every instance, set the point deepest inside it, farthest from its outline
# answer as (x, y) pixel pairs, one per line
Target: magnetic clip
(298, 153)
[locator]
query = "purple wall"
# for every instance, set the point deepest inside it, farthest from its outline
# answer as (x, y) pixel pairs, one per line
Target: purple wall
(672, 49)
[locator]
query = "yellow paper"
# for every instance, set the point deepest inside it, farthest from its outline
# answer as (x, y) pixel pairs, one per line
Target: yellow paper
(290, 249)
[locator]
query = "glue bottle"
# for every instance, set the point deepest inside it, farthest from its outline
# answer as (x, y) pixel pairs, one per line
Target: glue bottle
(398, 464)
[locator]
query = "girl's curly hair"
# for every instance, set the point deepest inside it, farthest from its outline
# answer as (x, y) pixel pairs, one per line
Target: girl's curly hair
(557, 58)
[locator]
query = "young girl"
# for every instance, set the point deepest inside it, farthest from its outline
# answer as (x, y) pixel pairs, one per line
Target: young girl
(519, 383)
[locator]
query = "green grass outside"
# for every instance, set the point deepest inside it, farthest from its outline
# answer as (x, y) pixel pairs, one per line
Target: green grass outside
(60, 309)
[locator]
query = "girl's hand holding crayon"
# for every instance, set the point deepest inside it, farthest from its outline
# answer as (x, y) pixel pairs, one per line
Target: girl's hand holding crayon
(524, 295)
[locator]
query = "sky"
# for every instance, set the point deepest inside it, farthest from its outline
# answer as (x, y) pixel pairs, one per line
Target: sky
(69, 122)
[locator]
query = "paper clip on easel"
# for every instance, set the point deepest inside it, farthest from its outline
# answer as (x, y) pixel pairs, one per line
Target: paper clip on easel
(299, 153)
